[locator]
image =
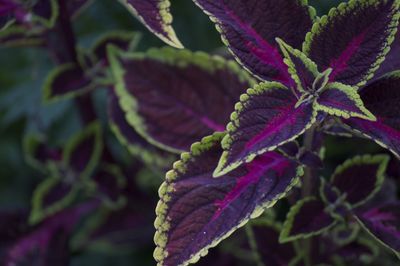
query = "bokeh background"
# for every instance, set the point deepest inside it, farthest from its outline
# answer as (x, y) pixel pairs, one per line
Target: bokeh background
(23, 70)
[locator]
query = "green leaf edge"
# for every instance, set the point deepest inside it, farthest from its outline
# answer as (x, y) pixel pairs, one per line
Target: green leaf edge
(30, 38)
(311, 10)
(29, 145)
(148, 156)
(381, 159)
(397, 253)
(55, 12)
(161, 222)
(92, 130)
(286, 235)
(353, 95)
(341, 9)
(288, 52)
(232, 126)
(38, 213)
(167, 55)
(48, 98)
(166, 17)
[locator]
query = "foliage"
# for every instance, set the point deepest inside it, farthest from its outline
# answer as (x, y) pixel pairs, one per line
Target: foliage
(285, 141)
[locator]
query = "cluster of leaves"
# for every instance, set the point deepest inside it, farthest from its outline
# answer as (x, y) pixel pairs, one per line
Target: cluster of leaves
(241, 150)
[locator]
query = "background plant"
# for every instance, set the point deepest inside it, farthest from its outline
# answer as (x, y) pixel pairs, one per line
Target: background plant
(97, 150)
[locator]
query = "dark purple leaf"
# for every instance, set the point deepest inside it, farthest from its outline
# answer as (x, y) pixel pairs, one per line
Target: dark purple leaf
(383, 222)
(168, 108)
(46, 244)
(360, 178)
(265, 118)
(46, 12)
(310, 159)
(306, 218)
(302, 70)
(343, 101)
(197, 211)
(75, 7)
(382, 98)
(81, 154)
(124, 40)
(266, 240)
(18, 35)
(135, 143)
(66, 81)
(110, 182)
(366, 30)
(249, 29)
(37, 153)
(13, 225)
(155, 15)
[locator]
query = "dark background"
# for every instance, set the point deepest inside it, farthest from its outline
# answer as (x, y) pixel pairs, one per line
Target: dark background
(22, 72)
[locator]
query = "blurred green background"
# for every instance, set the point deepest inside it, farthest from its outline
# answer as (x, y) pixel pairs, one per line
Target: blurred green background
(22, 71)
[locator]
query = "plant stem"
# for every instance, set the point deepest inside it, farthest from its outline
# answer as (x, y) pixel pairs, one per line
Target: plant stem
(307, 188)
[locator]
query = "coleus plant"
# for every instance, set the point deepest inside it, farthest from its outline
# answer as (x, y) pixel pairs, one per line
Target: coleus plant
(242, 150)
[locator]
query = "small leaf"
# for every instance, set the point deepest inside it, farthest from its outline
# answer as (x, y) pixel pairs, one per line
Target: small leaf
(135, 143)
(45, 12)
(82, 152)
(123, 40)
(50, 197)
(366, 29)
(167, 106)
(249, 29)
(65, 82)
(382, 98)
(383, 223)
(302, 70)
(343, 101)
(360, 178)
(155, 15)
(305, 219)
(197, 211)
(265, 235)
(36, 152)
(109, 183)
(265, 119)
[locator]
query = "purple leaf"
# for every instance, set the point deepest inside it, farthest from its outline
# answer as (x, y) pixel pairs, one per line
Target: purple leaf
(46, 244)
(249, 29)
(135, 143)
(343, 101)
(50, 197)
(123, 40)
(382, 98)
(37, 153)
(19, 35)
(360, 178)
(110, 182)
(82, 152)
(46, 12)
(155, 15)
(302, 70)
(197, 211)
(306, 218)
(383, 222)
(13, 225)
(265, 118)
(66, 81)
(366, 31)
(168, 108)
(266, 241)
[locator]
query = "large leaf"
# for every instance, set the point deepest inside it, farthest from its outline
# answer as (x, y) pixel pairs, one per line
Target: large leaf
(366, 30)
(249, 29)
(155, 15)
(383, 222)
(265, 118)
(360, 178)
(306, 218)
(382, 98)
(343, 101)
(135, 143)
(197, 211)
(168, 106)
